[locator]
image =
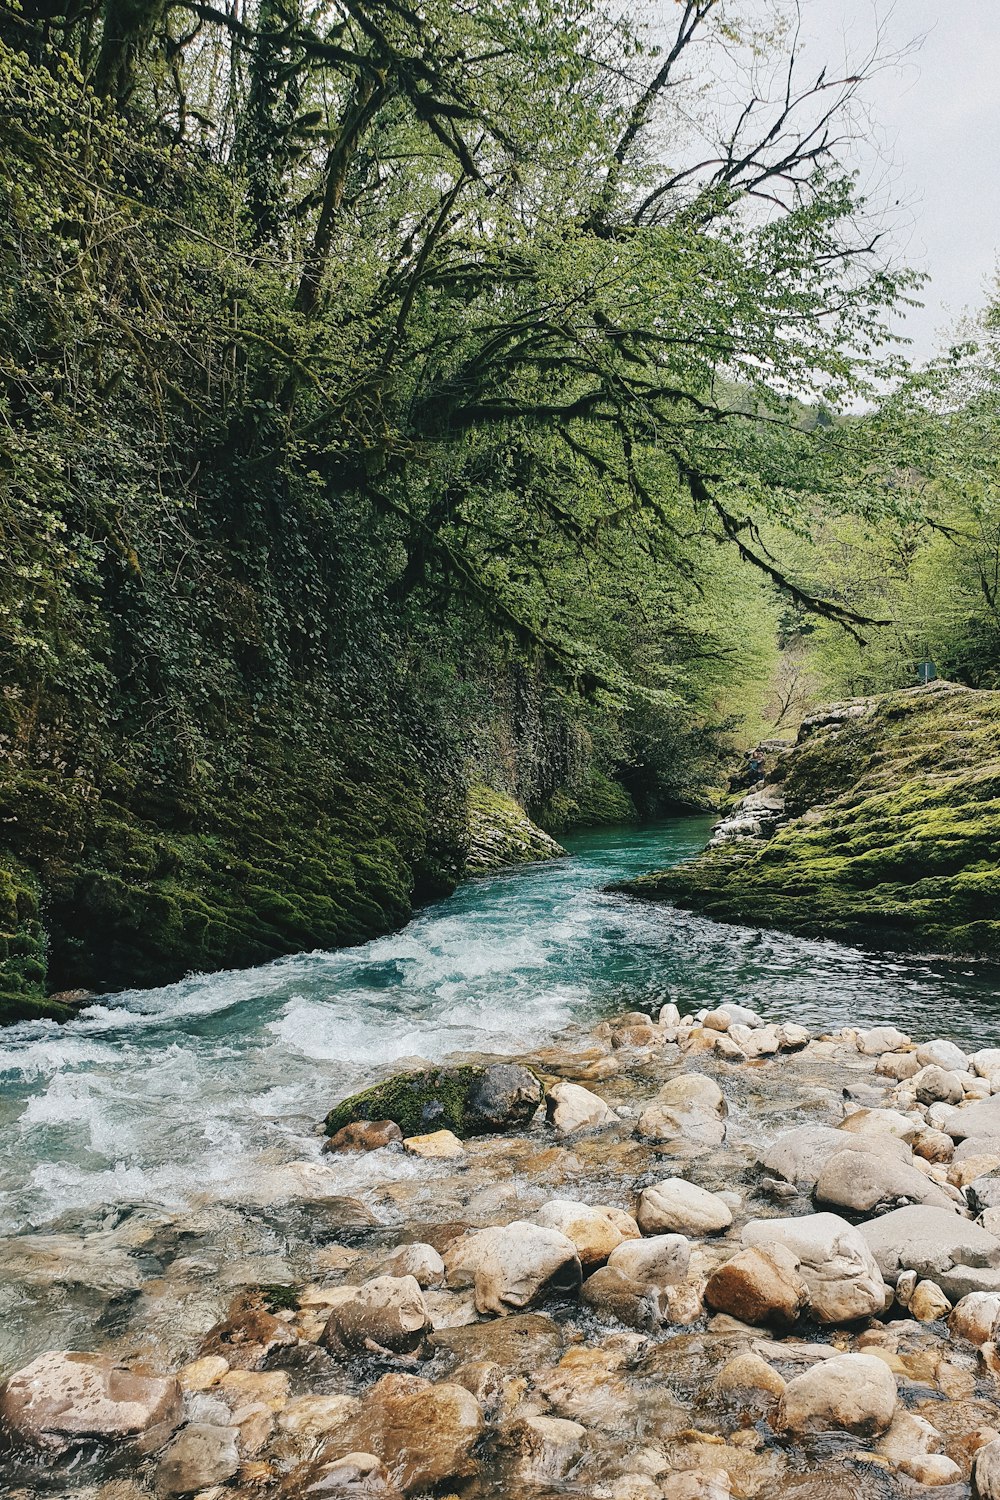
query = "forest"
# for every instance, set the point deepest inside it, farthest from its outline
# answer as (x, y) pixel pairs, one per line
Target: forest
(403, 398)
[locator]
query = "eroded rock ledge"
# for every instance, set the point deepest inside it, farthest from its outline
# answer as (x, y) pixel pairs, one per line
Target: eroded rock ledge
(725, 1260)
(881, 828)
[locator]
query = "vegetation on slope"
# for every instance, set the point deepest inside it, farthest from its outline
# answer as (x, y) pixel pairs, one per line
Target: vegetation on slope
(390, 397)
(891, 835)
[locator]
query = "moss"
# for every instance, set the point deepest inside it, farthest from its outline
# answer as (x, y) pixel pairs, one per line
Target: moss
(23, 956)
(599, 803)
(893, 839)
(500, 833)
(435, 1099)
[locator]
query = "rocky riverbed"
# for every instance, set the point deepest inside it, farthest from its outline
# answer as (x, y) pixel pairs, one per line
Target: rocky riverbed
(690, 1258)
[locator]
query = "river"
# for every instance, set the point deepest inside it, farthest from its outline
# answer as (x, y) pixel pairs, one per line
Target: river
(199, 1093)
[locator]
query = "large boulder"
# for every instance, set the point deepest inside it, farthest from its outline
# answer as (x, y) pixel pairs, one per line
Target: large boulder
(596, 1232)
(976, 1318)
(981, 1118)
(471, 1100)
(660, 1260)
(759, 1285)
(881, 1039)
(852, 1392)
(677, 1205)
(513, 1265)
(835, 1263)
(63, 1399)
(870, 1174)
(424, 1434)
(937, 1243)
(691, 1106)
(387, 1314)
(986, 1472)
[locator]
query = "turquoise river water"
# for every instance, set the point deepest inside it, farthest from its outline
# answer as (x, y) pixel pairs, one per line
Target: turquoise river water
(200, 1089)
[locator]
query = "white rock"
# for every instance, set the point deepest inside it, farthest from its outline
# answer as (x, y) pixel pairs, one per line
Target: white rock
(836, 1264)
(676, 1205)
(791, 1037)
(853, 1392)
(909, 1437)
(933, 1242)
(935, 1084)
(881, 1122)
(986, 1062)
(570, 1107)
(986, 1472)
(976, 1317)
(418, 1260)
(981, 1118)
(661, 1260)
(741, 1015)
(944, 1055)
(861, 1180)
(595, 1232)
(881, 1039)
(60, 1399)
(510, 1266)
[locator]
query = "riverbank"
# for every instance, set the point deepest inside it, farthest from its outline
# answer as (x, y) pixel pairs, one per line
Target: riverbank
(880, 828)
(688, 1277)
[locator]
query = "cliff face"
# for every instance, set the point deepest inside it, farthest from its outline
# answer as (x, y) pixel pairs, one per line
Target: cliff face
(881, 828)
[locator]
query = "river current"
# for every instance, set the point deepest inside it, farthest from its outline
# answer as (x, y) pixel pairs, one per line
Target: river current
(199, 1090)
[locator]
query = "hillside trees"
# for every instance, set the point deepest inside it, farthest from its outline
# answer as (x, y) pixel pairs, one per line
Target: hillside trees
(349, 349)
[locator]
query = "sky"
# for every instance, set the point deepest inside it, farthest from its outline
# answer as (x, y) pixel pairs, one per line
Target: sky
(935, 143)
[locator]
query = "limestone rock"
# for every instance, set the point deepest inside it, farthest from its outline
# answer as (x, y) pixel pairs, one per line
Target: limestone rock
(677, 1205)
(690, 1105)
(595, 1231)
(976, 1317)
(387, 1313)
(986, 1472)
(512, 1266)
(981, 1118)
(881, 1039)
(759, 1285)
(660, 1260)
(317, 1416)
(852, 1392)
(418, 1260)
(437, 1144)
(61, 1399)
(199, 1456)
(928, 1302)
(942, 1054)
(863, 1179)
(364, 1135)
(934, 1084)
(749, 1372)
(569, 1107)
(836, 1264)
(933, 1242)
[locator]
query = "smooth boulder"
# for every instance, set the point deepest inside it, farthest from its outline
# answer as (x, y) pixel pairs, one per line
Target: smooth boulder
(835, 1263)
(660, 1260)
(759, 1285)
(472, 1100)
(867, 1176)
(595, 1231)
(675, 1205)
(935, 1243)
(387, 1313)
(850, 1392)
(61, 1399)
(570, 1107)
(513, 1265)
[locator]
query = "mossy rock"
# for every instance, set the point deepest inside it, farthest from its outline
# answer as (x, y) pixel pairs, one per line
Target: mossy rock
(599, 803)
(893, 838)
(469, 1100)
(500, 833)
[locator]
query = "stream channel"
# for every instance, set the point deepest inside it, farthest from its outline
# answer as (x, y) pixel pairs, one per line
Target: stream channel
(166, 1135)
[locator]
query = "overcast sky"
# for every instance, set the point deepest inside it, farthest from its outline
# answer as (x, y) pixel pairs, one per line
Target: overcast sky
(938, 114)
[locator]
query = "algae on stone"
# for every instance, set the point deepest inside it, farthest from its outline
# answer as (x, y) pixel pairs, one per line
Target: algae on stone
(501, 833)
(891, 834)
(469, 1100)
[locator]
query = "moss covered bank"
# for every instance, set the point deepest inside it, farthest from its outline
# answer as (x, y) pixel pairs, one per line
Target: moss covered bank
(887, 831)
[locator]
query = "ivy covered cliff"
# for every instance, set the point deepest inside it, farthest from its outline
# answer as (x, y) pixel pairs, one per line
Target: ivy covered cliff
(880, 828)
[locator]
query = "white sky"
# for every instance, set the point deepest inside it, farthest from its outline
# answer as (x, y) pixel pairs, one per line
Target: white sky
(937, 114)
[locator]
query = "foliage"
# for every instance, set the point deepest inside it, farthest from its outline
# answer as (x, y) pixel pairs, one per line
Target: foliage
(362, 363)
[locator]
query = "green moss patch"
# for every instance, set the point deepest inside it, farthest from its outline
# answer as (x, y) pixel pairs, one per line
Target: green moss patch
(893, 839)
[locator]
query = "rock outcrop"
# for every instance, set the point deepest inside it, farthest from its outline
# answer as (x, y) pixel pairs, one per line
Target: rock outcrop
(883, 830)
